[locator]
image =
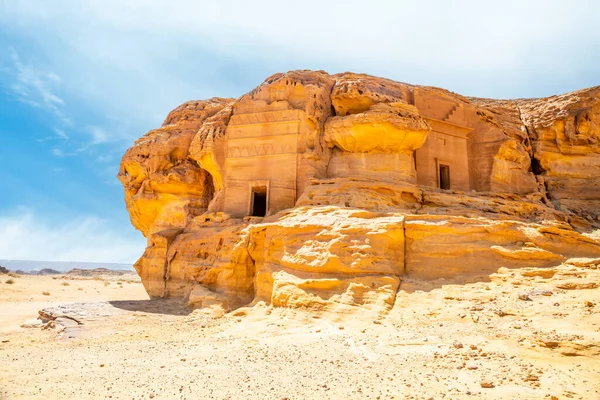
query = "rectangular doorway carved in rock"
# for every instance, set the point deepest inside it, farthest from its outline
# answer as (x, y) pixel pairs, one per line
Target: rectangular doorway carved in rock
(258, 206)
(444, 176)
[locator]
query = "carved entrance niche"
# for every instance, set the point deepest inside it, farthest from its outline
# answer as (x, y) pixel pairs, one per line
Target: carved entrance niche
(258, 200)
(443, 169)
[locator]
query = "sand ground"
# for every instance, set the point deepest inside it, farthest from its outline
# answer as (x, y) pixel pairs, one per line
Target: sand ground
(525, 334)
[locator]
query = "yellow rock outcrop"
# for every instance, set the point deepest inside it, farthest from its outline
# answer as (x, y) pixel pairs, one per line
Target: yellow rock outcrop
(163, 184)
(317, 190)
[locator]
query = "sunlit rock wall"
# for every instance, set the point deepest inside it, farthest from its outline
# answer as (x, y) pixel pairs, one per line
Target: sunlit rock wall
(317, 190)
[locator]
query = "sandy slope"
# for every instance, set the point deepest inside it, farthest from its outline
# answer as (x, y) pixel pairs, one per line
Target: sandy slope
(528, 334)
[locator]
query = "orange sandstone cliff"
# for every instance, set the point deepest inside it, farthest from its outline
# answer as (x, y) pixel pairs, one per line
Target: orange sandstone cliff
(317, 190)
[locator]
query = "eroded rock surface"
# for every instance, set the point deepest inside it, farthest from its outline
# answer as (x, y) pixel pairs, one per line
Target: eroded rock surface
(315, 190)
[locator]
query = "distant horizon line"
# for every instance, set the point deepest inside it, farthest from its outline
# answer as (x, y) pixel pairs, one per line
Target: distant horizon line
(37, 265)
(54, 261)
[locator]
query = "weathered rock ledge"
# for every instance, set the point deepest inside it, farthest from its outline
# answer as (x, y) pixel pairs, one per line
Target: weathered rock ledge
(317, 189)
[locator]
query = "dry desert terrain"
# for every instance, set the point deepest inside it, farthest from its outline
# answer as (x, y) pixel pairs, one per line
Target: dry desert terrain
(524, 333)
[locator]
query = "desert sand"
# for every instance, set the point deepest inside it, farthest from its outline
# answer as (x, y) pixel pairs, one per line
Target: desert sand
(523, 333)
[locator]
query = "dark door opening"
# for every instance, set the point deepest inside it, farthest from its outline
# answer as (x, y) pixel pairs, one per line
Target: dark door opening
(259, 201)
(444, 177)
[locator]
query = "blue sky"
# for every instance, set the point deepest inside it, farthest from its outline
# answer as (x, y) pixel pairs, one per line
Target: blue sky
(81, 80)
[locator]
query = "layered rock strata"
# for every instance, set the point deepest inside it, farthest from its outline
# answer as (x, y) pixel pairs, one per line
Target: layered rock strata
(316, 189)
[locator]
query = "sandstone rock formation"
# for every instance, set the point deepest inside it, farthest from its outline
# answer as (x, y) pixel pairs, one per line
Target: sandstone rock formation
(315, 190)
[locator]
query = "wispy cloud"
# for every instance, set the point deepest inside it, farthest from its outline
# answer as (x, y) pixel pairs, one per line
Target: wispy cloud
(104, 158)
(26, 236)
(58, 152)
(37, 87)
(98, 135)
(61, 133)
(94, 136)
(139, 59)
(41, 88)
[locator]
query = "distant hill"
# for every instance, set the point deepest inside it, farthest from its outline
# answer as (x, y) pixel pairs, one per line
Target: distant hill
(48, 271)
(99, 271)
(59, 267)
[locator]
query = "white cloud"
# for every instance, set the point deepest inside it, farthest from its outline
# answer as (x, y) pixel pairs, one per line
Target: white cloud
(27, 236)
(139, 59)
(94, 136)
(60, 133)
(37, 87)
(58, 152)
(104, 158)
(98, 135)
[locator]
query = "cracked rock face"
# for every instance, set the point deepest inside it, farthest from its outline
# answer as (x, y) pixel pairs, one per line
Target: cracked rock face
(317, 190)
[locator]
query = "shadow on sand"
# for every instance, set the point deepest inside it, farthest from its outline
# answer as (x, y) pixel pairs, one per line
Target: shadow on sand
(155, 306)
